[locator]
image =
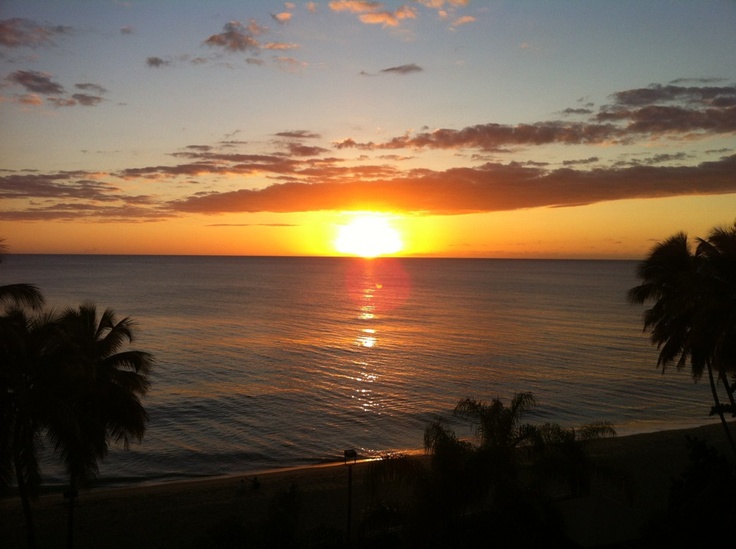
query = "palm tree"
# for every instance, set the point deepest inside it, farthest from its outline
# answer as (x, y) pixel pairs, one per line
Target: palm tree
(29, 401)
(560, 454)
(104, 389)
(693, 316)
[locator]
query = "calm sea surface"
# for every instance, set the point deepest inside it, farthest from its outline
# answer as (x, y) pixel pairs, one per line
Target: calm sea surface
(274, 362)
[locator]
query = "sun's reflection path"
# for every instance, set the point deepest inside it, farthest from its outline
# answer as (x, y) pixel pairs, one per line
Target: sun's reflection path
(376, 287)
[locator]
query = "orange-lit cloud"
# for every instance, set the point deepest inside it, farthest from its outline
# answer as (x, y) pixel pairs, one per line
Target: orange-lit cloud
(492, 187)
(374, 13)
(297, 171)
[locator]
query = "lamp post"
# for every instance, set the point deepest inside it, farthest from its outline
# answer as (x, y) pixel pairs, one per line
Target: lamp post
(351, 457)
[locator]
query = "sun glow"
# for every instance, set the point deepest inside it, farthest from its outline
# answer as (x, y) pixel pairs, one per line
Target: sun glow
(368, 235)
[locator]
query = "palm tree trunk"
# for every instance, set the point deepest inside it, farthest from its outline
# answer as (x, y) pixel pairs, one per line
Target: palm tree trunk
(729, 391)
(71, 499)
(26, 501)
(719, 410)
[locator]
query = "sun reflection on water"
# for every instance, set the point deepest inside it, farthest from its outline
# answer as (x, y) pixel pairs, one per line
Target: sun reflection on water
(376, 288)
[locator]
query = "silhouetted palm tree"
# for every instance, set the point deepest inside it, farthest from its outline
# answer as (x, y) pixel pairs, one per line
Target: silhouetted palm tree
(560, 453)
(104, 388)
(29, 401)
(693, 316)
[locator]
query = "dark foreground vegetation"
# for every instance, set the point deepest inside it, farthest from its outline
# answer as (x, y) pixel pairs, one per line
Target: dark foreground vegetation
(66, 385)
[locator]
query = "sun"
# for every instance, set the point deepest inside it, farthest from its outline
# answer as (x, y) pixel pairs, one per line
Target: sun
(368, 235)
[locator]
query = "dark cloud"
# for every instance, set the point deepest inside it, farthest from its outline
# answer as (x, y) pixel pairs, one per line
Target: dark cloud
(297, 149)
(577, 111)
(72, 196)
(157, 62)
(87, 100)
(697, 80)
(403, 69)
(18, 32)
(37, 82)
(236, 37)
(299, 134)
(494, 137)
(59, 185)
(656, 93)
(643, 113)
(591, 160)
(86, 86)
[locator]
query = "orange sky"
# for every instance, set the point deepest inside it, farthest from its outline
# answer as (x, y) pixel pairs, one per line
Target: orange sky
(476, 129)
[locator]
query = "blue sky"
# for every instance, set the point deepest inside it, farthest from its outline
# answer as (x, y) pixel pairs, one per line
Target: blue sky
(580, 129)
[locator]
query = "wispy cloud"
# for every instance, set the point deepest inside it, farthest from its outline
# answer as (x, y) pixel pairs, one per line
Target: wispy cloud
(37, 82)
(157, 62)
(19, 32)
(403, 69)
(237, 37)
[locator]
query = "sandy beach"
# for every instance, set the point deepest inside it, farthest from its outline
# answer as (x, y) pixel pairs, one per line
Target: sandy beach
(197, 513)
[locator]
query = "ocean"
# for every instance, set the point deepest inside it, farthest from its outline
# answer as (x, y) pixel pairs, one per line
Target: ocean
(270, 362)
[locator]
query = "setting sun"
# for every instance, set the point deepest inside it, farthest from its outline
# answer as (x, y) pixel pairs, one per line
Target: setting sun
(368, 235)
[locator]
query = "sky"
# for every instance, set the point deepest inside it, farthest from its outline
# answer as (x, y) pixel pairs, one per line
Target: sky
(530, 129)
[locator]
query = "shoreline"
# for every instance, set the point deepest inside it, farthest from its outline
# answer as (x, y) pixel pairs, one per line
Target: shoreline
(177, 513)
(113, 483)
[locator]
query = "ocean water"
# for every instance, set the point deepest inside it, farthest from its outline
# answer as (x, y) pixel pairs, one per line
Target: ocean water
(275, 362)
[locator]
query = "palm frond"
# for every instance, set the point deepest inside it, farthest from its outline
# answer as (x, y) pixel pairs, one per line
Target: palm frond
(23, 295)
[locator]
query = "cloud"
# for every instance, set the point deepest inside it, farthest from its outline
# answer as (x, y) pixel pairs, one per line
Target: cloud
(288, 64)
(86, 86)
(236, 37)
(280, 46)
(492, 187)
(60, 185)
(657, 93)
(87, 100)
(19, 32)
(299, 134)
(30, 99)
(297, 149)
(157, 62)
(438, 4)
(295, 171)
(373, 13)
(403, 69)
(355, 6)
(62, 101)
(464, 20)
(639, 114)
(577, 111)
(37, 82)
(282, 17)
(387, 18)
(41, 83)
(72, 196)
